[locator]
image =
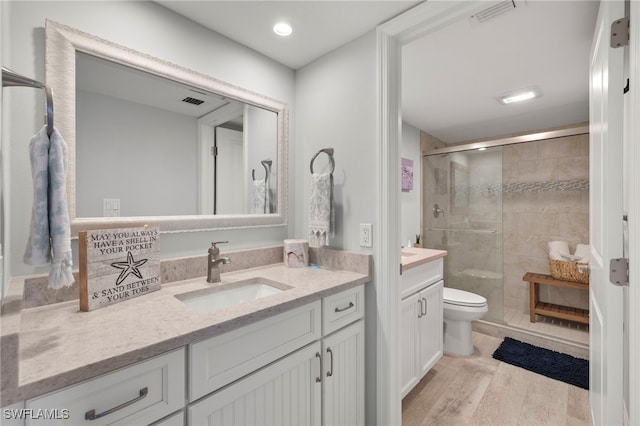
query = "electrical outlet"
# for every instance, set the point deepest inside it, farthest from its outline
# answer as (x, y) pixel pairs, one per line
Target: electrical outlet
(366, 239)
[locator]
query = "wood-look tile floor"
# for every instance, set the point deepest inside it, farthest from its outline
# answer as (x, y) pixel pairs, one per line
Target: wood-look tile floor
(480, 390)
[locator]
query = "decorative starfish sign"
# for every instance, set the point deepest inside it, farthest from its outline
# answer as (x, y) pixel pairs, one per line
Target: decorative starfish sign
(128, 267)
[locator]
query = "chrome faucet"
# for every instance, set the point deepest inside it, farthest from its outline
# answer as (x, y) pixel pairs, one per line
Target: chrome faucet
(214, 261)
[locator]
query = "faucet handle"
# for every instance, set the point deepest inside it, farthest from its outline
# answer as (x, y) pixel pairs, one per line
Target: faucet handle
(214, 250)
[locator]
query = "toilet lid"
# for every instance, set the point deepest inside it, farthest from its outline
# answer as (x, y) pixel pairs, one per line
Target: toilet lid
(462, 298)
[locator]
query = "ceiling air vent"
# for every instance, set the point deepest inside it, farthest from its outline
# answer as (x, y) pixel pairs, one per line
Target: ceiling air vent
(193, 101)
(496, 9)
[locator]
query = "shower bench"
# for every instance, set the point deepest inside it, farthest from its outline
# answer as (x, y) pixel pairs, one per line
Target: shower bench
(552, 309)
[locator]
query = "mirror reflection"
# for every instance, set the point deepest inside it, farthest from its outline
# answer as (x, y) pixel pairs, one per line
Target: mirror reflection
(150, 146)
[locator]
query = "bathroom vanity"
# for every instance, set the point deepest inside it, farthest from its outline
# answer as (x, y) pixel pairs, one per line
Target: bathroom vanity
(421, 314)
(292, 357)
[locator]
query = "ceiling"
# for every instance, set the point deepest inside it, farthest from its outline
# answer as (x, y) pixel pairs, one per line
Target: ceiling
(451, 77)
(319, 26)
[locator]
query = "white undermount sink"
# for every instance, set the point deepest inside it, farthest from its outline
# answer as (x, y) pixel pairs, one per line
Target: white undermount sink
(227, 295)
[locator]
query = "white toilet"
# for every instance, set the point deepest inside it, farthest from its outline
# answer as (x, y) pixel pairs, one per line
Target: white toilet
(460, 308)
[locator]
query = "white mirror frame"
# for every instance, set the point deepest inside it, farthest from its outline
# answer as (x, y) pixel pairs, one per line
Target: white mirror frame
(62, 43)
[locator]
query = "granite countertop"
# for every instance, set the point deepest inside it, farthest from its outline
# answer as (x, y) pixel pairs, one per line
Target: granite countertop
(49, 347)
(414, 256)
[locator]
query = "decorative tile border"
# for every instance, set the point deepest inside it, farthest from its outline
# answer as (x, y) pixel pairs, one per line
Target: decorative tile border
(489, 189)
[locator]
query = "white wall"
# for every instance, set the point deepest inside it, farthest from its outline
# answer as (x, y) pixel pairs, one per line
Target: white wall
(149, 28)
(336, 107)
(410, 200)
(156, 146)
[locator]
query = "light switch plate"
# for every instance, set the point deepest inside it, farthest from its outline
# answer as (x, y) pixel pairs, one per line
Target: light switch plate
(111, 207)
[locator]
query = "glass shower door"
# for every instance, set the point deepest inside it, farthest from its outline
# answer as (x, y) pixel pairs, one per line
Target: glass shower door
(462, 207)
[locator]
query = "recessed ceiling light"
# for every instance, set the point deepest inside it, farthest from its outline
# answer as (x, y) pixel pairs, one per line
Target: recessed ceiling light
(520, 96)
(282, 29)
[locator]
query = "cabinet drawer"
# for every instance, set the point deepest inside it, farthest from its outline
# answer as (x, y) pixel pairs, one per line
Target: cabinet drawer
(220, 360)
(416, 278)
(341, 309)
(139, 394)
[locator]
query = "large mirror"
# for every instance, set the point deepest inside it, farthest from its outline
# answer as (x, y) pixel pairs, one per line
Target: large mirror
(154, 143)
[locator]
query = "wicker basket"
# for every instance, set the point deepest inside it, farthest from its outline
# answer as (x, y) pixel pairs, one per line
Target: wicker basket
(568, 271)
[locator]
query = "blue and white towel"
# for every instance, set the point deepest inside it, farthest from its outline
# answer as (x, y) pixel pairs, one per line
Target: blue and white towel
(50, 233)
(321, 210)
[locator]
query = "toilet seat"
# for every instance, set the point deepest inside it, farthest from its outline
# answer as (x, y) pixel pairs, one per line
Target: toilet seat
(454, 296)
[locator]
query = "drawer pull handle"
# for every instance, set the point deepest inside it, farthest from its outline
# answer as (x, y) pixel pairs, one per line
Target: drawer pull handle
(91, 415)
(349, 306)
(330, 372)
(319, 378)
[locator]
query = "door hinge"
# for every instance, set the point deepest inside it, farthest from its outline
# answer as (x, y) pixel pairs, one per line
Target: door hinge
(214, 151)
(620, 33)
(619, 271)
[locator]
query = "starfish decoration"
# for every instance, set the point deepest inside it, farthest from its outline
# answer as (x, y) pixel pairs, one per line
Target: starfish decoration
(128, 267)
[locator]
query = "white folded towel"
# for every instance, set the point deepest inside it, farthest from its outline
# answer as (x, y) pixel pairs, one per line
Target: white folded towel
(321, 212)
(556, 255)
(259, 197)
(50, 233)
(582, 252)
(559, 247)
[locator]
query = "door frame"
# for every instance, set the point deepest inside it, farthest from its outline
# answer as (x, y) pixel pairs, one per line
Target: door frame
(391, 36)
(206, 126)
(632, 127)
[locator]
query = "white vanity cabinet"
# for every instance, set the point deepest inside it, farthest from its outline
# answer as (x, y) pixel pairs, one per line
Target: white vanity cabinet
(139, 394)
(303, 366)
(322, 383)
(421, 322)
(343, 378)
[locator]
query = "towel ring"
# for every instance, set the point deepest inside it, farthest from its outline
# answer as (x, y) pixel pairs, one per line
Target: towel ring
(329, 152)
(267, 170)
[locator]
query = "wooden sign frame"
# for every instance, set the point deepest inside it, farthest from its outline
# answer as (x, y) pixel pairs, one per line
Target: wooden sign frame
(117, 265)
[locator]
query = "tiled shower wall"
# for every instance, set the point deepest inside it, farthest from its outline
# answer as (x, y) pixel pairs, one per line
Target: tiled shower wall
(530, 194)
(548, 210)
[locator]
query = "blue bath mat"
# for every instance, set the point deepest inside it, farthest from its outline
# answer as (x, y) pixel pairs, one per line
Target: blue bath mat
(556, 365)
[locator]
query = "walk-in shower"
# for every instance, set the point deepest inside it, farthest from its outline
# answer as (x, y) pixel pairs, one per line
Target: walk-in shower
(471, 231)
(494, 206)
